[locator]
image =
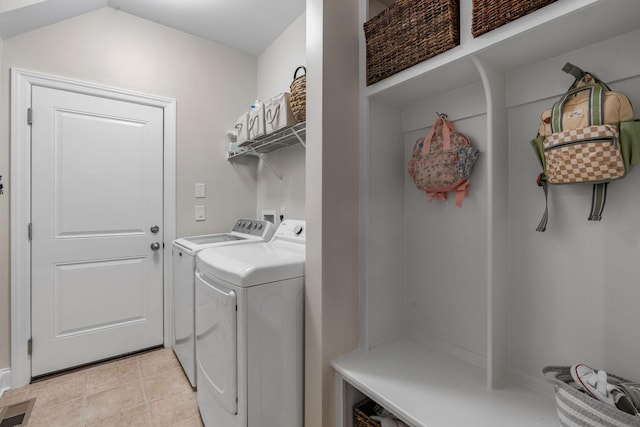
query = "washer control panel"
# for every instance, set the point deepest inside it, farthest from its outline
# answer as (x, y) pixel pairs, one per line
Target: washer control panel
(254, 227)
(292, 230)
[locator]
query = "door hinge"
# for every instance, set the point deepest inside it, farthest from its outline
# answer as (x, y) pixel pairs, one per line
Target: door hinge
(30, 231)
(30, 346)
(30, 116)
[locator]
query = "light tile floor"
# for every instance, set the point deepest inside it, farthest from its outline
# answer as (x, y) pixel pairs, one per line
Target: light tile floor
(148, 389)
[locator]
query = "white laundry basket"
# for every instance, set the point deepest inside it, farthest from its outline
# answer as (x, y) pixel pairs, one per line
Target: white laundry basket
(242, 128)
(256, 121)
(277, 113)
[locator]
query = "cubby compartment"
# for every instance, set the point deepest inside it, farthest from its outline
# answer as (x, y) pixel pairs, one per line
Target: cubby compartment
(463, 307)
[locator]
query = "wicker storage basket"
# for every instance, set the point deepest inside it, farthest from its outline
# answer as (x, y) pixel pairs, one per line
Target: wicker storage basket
(578, 408)
(298, 98)
(362, 412)
(488, 15)
(409, 32)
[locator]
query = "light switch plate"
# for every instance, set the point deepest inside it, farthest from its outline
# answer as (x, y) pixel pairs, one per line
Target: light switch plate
(200, 213)
(200, 190)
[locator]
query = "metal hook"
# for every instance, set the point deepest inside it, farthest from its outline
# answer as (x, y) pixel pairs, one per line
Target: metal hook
(442, 115)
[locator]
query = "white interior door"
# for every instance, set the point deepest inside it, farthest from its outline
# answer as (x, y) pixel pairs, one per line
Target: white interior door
(97, 188)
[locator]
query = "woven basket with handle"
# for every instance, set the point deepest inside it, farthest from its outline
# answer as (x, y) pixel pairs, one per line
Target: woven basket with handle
(298, 98)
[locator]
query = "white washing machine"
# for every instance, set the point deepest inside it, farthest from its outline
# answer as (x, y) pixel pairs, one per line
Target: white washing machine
(250, 331)
(185, 250)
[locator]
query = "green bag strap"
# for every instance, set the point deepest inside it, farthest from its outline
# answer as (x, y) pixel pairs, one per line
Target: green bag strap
(575, 71)
(598, 199)
(581, 75)
(542, 182)
(596, 105)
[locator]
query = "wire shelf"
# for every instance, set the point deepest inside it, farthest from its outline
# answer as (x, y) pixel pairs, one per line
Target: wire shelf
(282, 138)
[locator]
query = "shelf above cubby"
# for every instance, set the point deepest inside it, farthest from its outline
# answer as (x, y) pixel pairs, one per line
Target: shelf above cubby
(425, 387)
(557, 28)
(281, 138)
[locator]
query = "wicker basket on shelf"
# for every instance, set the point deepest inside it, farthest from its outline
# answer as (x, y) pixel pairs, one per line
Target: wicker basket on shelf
(488, 15)
(298, 97)
(409, 32)
(362, 412)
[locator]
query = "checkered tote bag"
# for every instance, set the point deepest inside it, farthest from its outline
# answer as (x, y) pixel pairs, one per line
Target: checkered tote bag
(584, 154)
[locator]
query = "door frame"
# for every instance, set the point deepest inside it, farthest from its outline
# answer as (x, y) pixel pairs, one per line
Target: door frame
(22, 82)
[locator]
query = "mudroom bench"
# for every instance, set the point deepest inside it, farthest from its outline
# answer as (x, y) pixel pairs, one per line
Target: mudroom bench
(429, 388)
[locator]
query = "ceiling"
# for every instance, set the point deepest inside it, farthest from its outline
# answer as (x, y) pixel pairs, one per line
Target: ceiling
(245, 25)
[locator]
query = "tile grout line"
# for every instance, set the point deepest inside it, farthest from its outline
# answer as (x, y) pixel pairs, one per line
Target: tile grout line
(84, 399)
(144, 392)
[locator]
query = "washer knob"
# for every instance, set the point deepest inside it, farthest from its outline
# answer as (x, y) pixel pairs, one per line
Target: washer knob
(297, 229)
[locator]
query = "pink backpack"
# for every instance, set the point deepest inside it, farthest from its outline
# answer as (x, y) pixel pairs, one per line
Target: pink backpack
(442, 161)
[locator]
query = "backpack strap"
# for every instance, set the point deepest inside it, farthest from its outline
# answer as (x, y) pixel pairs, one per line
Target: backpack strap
(542, 182)
(581, 76)
(461, 192)
(575, 71)
(447, 127)
(596, 105)
(598, 199)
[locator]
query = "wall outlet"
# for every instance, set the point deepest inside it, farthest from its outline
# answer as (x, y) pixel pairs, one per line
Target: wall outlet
(283, 213)
(200, 213)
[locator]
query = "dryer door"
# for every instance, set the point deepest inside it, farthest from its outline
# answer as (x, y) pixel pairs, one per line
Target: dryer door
(216, 341)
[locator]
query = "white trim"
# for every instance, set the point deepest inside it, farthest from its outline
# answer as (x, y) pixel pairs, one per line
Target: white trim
(21, 83)
(363, 193)
(535, 383)
(5, 380)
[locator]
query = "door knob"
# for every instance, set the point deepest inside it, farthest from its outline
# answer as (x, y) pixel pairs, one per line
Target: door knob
(155, 229)
(155, 246)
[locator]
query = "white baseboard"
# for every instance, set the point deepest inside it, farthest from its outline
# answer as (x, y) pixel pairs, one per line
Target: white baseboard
(537, 384)
(452, 349)
(5, 380)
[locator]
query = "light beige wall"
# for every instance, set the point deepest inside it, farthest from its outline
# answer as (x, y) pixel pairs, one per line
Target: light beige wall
(276, 66)
(210, 83)
(277, 63)
(332, 200)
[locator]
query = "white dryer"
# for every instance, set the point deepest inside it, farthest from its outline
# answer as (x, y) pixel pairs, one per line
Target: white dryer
(250, 331)
(185, 250)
